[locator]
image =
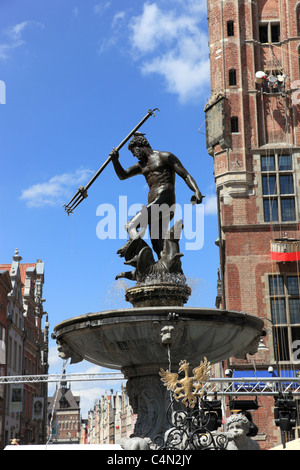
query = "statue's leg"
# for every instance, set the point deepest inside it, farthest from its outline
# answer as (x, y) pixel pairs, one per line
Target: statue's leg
(157, 215)
(157, 236)
(159, 221)
(137, 225)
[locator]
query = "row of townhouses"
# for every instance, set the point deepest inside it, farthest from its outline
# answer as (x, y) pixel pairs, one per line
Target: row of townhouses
(23, 351)
(111, 419)
(27, 415)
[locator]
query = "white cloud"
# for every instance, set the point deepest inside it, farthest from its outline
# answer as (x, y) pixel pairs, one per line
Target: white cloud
(53, 358)
(172, 45)
(119, 16)
(15, 32)
(155, 27)
(117, 26)
(14, 37)
(88, 396)
(100, 8)
(106, 44)
(5, 49)
(210, 204)
(89, 392)
(182, 76)
(167, 40)
(193, 6)
(54, 191)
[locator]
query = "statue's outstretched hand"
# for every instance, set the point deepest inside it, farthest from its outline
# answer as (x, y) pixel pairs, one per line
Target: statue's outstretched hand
(114, 154)
(197, 198)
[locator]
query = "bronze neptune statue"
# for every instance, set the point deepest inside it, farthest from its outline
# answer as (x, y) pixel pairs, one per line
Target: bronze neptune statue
(159, 169)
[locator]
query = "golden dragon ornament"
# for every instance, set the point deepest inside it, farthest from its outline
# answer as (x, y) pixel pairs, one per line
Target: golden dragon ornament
(188, 388)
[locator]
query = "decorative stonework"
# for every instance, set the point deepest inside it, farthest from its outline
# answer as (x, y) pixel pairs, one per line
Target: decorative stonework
(149, 400)
(157, 295)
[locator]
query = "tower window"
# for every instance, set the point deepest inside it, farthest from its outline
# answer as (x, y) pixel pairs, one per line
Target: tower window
(263, 33)
(230, 28)
(298, 19)
(234, 124)
(232, 77)
(285, 308)
(269, 32)
(278, 188)
(275, 32)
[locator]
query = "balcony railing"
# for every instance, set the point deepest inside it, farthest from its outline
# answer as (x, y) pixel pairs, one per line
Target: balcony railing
(285, 249)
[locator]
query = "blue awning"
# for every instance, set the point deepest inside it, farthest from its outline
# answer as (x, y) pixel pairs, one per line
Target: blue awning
(239, 374)
(262, 376)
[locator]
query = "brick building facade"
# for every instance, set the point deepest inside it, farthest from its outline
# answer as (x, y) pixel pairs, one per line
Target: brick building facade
(23, 411)
(64, 416)
(253, 135)
(5, 288)
(111, 419)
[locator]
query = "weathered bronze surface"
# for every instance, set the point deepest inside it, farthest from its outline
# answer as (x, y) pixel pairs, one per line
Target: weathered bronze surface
(159, 169)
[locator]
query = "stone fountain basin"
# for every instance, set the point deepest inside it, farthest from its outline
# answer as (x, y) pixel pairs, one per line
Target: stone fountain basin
(132, 339)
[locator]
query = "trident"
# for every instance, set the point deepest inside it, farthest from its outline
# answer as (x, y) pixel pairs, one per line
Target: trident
(82, 190)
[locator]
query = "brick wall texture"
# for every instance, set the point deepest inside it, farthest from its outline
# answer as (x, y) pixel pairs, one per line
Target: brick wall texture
(268, 125)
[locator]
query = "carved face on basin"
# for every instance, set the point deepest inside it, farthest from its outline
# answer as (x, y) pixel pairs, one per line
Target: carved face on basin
(166, 334)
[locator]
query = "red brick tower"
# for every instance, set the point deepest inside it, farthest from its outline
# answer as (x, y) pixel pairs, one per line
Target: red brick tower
(253, 134)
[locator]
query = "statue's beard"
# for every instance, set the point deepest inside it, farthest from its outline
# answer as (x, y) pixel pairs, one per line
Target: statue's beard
(139, 153)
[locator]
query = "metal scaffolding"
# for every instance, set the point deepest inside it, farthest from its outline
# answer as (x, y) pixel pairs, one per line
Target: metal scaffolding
(262, 386)
(47, 378)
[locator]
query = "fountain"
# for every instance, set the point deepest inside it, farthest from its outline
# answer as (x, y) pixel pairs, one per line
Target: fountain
(140, 340)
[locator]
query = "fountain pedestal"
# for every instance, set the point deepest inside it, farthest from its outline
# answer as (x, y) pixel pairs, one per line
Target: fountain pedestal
(152, 295)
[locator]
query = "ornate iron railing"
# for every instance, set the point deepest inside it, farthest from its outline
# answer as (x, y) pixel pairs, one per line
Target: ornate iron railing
(194, 429)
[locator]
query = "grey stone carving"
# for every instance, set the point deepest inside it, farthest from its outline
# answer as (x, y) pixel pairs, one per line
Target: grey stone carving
(238, 428)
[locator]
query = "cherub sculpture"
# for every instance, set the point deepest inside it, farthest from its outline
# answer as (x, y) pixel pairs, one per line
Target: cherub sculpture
(238, 428)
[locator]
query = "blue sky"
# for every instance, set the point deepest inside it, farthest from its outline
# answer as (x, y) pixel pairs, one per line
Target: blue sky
(78, 76)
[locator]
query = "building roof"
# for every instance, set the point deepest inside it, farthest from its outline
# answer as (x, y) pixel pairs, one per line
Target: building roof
(23, 267)
(5, 279)
(64, 400)
(5, 267)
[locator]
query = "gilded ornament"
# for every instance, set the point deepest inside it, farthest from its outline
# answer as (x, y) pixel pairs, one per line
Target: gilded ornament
(189, 388)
